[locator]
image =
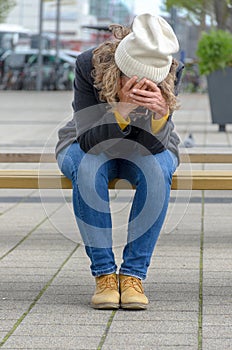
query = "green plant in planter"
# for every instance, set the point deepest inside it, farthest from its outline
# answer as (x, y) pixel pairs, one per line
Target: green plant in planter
(215, 61)
(214, 51)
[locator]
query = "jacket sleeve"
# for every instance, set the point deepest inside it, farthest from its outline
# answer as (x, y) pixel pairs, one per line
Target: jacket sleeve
(94, 121)
(84, 95)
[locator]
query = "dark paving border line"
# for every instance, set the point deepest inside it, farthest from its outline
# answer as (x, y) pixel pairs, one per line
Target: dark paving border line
(109, 323)
(68, 199)
(30, 232)
(33, 145)
(37, 199)
(37, 298)
(53, 199)
(200, 307)
(192, 122)
(209, 145)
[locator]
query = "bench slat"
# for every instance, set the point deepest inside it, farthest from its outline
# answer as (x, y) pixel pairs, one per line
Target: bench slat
(52, 179)
(50, 158)
(206, 158)
(27, 158)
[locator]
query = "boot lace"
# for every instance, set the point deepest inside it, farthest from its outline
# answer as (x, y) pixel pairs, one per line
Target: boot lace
(107, 282)
(132, 282)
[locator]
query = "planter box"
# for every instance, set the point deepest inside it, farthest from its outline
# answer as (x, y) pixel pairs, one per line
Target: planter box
(220, 97)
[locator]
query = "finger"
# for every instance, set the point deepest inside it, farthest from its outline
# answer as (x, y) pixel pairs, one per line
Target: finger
(155, 100)
(151, 106)
(140, 84)
(145, 105)
(143, 99)
(143, 92)
(141, 88)
(152, 85)
(130, 83)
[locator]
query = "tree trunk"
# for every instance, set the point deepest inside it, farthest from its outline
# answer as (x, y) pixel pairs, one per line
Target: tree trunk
(203, 21)
(229, 19)
(221, 13)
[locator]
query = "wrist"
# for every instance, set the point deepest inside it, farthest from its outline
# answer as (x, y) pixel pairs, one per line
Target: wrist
(124, 109)
(165, 115)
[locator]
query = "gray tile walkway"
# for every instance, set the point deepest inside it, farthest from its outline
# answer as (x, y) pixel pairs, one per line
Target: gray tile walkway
(45, 283)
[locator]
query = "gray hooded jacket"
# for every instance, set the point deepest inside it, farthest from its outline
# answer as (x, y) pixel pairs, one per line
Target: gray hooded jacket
(94, 125)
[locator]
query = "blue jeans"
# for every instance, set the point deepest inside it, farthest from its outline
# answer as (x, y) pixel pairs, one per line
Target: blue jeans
(90, 174)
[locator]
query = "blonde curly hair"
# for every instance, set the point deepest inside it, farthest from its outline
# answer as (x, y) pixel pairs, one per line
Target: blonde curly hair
(106, 74)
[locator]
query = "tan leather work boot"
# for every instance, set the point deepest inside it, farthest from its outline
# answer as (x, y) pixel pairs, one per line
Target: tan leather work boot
(132, 293)
(106, 294)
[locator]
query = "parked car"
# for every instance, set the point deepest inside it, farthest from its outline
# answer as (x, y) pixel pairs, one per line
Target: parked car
(14, 36)
(11, 67)
(23, 66)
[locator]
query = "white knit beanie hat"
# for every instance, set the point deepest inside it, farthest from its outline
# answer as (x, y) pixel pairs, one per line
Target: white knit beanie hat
(147, 50)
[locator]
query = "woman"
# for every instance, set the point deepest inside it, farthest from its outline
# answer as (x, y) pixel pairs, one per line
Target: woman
(124, 97)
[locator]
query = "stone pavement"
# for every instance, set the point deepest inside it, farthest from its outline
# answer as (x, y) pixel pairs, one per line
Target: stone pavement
(45, 283)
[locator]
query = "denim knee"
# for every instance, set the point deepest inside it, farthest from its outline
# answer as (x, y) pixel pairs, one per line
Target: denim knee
(69, 159)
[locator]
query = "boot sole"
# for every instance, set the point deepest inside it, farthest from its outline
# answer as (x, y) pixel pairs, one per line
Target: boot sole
(105, 306)
(134, 306)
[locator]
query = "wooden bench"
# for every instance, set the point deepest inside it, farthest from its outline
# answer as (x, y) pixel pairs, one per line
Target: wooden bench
(52, 179)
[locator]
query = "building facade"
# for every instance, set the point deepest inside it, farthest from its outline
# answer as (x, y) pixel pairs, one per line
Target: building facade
(116, 11)
(73, 15)
(77, 15)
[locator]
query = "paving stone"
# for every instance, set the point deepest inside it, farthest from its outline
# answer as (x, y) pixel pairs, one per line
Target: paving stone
(6, 325)
(219, 320)
(169, 287)
(151, 339)
(176, 262)
(173, 276)
(28, 271)
(222, 332)
(187, 253)
(173, 297)
(2, 334)
(148, 347)
(59, 330)
(217, 300)
(71, 318)
(217, 282)
(64, 299)
(20, 286)
(16, 295)
(76, 309)
(215, 344)
(10, 305)
(50, 342)
(218, 309)
(11, 314)
(217, 291)
(213, 253)
(224, 264)
(153, 327)
(218, 275)
(178, 306)
(157, 315)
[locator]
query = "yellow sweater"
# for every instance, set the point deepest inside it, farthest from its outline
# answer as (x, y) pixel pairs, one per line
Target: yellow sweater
(156, 124)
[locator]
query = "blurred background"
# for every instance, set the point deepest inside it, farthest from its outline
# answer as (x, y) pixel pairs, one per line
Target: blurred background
(40, 39)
